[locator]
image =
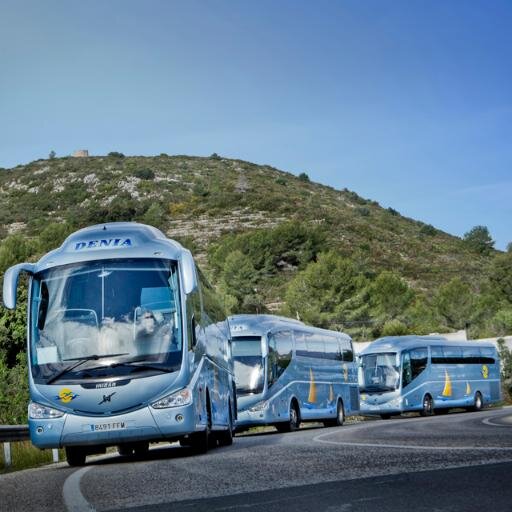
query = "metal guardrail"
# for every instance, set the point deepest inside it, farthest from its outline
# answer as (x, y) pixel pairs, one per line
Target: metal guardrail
(10, 433)
(15, 433)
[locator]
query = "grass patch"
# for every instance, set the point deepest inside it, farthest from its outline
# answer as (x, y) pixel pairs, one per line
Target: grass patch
(25, 455)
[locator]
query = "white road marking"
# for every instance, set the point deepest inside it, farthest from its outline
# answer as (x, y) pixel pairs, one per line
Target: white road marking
(73, 497)
(488, 421)
(319, 439)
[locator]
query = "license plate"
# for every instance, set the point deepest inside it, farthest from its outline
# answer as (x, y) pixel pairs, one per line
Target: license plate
(105, 427)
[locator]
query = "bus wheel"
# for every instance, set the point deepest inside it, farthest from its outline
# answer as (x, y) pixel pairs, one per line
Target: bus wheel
(428, 406)
(294, 419)
(225, 438)
(200, 441)
(340, 416)
(141, 448)
(385, 416)
(125, 450)
(75, 455)
(479, 402)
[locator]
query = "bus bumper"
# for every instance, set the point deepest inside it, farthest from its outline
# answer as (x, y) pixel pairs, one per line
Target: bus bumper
(146, 424)
(391, 407)
(250, 418)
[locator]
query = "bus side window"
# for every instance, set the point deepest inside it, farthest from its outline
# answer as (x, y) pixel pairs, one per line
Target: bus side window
(348, 352)
(315, 345)
(488, 355)
(43, 307)
(406, 369)
(300, 344)
(437, 355)
(331, 348)
(193, 317)
(279, 354)
(419, 358)
(272, 361)
(284, 344)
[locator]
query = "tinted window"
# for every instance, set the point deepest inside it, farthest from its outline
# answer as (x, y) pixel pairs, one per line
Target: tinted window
(463, 355)
(279, 354)
(300, 344)
(332, 349)
(488, 355)
(413, 363)
(419, 358)
(348, 352)
(316, 346)
(471, 355)
(437, 355)
(284, 345)
(406, 369)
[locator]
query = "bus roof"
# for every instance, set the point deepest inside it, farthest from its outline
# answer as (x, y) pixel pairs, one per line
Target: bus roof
(398, 343)
(112, 240)
(259, 325)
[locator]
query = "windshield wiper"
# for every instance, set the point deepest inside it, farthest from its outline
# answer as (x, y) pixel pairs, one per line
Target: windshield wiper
(143, 366)
(79, 361)
(376, 389)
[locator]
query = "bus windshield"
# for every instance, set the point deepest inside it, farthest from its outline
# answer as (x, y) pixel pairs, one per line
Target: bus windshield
(379, 372)
(118, 317)
(248, 360)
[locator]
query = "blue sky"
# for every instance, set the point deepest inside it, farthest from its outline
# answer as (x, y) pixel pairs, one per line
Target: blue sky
(405, 102)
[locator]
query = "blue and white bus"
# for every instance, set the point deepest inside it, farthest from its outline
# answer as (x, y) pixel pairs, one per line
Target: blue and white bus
(427, 374)
(287, 372)
(127, 345)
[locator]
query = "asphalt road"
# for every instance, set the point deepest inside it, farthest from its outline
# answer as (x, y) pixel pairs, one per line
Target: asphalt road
(456, 462)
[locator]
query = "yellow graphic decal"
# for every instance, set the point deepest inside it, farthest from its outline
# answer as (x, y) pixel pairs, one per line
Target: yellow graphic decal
(312, 388)
(468, 389)
(66, 395)
(485, 371)
(447, 391)
(331, 394)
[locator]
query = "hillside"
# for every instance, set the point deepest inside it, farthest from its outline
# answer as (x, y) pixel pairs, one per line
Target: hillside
(198, 200)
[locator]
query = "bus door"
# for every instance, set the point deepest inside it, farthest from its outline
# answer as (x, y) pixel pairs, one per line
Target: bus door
(414, 364)
(280, 346)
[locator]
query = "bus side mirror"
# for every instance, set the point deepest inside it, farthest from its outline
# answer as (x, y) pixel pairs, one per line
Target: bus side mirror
(189, 272)
(11, 282)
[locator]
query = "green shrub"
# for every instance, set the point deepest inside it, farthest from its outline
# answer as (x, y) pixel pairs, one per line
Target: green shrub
(394, 328)
(428, 229)
(144, 174)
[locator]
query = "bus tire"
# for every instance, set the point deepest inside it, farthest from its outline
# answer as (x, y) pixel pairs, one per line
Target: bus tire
(293, 422)
(479, 402)
(385, 416)
(75, 455)
(141, 448)
(428, 406)
(125, 450)
(225, 437)
(340, 416)
(200, 441)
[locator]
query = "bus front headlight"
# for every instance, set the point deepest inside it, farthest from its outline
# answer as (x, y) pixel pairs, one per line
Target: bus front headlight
(260, 406)
(396, 402)
(178, 399)
(42, 412)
